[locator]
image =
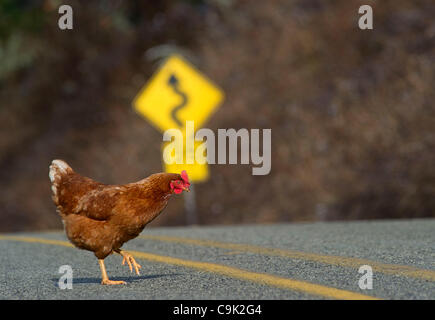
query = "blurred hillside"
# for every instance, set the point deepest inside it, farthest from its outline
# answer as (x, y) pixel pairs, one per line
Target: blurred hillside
(352, 112)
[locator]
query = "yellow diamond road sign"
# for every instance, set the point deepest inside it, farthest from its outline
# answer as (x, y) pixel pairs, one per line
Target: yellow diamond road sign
(177, 93)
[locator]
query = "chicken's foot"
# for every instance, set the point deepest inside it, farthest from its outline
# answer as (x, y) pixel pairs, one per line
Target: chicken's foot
(105, 278)
(127, 257)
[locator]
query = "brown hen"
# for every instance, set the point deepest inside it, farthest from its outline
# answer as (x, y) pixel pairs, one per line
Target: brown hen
(101, 218)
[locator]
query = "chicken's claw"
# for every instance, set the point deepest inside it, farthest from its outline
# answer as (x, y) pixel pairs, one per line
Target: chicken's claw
(131, 262)
(112, 282)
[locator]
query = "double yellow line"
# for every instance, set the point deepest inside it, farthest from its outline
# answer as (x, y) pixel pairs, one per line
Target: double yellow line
(348, 262)
(260, 278)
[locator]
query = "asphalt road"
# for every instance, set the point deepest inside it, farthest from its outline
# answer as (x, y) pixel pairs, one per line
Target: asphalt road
(286, 261)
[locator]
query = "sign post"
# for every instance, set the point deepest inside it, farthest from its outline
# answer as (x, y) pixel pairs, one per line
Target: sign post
(190, 206)
(176, 93)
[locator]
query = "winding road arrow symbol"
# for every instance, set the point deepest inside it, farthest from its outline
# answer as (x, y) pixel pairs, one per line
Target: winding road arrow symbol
(174, 83)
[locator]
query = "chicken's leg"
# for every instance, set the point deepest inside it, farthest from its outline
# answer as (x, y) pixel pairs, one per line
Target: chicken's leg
(105, 279)
(130, 261)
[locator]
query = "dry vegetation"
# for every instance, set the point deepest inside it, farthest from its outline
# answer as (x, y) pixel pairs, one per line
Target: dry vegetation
(352, 112)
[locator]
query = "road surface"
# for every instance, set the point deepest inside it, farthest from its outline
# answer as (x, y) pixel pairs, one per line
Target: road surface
(285, 261)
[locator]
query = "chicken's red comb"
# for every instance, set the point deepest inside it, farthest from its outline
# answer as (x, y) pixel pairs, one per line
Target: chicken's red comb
(184, 176)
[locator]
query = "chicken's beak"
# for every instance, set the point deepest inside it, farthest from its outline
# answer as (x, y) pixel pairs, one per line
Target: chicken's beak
(185, 189)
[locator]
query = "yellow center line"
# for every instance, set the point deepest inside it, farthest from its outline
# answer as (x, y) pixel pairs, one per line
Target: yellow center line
(292, 254)
(37, 240)
(232, 272)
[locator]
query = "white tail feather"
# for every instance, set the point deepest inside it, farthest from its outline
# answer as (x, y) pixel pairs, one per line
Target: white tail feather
(58, 168)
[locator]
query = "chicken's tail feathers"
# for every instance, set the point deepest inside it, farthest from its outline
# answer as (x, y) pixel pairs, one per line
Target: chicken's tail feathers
(58, 169)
